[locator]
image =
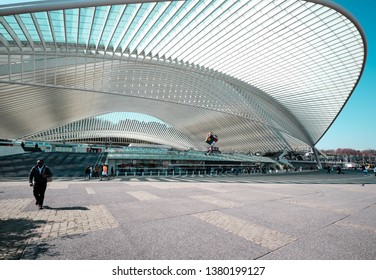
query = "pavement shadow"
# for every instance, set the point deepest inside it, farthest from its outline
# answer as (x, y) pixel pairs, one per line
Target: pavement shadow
(16, 236)
(66, 208)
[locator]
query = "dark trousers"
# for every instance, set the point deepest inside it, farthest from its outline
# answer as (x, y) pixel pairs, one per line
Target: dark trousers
(38, 191)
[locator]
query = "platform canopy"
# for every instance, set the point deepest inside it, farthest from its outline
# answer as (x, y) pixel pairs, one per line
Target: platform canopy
(263, 75)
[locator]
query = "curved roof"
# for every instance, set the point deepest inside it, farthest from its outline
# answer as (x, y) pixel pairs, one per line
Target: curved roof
(262, 75)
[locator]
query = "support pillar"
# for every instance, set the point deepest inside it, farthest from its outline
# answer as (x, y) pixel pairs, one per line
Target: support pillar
(315, 151)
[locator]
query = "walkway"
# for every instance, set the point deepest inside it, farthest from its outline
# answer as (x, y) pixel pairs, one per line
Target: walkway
(288, 216)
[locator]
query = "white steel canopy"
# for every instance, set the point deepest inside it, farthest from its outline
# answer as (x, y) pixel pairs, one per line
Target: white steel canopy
(262, 75)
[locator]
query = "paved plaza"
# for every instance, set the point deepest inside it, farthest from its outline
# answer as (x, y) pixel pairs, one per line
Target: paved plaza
(307, 215)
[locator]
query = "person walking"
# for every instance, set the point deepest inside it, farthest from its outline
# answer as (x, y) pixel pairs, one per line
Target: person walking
(96, 171)
(365, 170)
(328, 169)
(87, 172)
(38, 177)
(104, 172)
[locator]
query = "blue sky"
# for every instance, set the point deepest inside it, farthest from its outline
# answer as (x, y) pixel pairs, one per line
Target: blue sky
(355, 126)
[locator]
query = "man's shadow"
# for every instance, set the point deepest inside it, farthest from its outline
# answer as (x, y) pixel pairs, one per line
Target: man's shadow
(66, 208)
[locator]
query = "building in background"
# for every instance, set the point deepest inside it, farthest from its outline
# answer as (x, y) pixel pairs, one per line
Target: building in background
(265, 76)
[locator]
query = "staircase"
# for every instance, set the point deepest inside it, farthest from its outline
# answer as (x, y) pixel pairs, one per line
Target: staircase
(61, 164)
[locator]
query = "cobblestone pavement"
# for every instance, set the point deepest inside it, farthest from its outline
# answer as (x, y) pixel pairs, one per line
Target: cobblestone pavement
(199, 218)
(258, 234)
(45, 224)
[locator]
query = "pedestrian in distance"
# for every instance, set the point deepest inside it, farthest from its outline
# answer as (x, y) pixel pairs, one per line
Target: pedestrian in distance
(328, 169)
(104, 172)
(365, 170)
(339, 170)
(96, 171)
(38, 177)
(87, 172)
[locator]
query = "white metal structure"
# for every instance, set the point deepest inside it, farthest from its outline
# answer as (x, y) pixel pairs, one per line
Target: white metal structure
(264, 75)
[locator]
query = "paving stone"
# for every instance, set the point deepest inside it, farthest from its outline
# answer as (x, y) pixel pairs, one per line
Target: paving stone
(298, 216)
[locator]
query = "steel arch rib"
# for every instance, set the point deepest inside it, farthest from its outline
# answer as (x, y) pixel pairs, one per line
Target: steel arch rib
(279, 81)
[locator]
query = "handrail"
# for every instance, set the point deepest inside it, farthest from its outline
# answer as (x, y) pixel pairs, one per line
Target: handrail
(100, 158)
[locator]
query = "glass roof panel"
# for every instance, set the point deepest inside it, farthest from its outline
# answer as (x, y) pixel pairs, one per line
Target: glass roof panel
(57, 18)
(196, 31)
(5, 33)
(113, 19)
(165, 12)
(99, 22)
(180, 35)
(86, 19)
(71, 18)
(137, 23)
(158, 42)
(12, 22)
(44, 25)
(121, 27)
(122, 32)
(150, 24)
(30, 26)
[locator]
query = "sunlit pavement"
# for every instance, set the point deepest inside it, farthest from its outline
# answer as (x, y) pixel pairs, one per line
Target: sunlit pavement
(307, 215)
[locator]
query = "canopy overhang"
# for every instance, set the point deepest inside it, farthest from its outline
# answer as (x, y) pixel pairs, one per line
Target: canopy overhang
(263, 75)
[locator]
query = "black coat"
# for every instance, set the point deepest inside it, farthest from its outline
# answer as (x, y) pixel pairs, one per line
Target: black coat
(39, 178)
